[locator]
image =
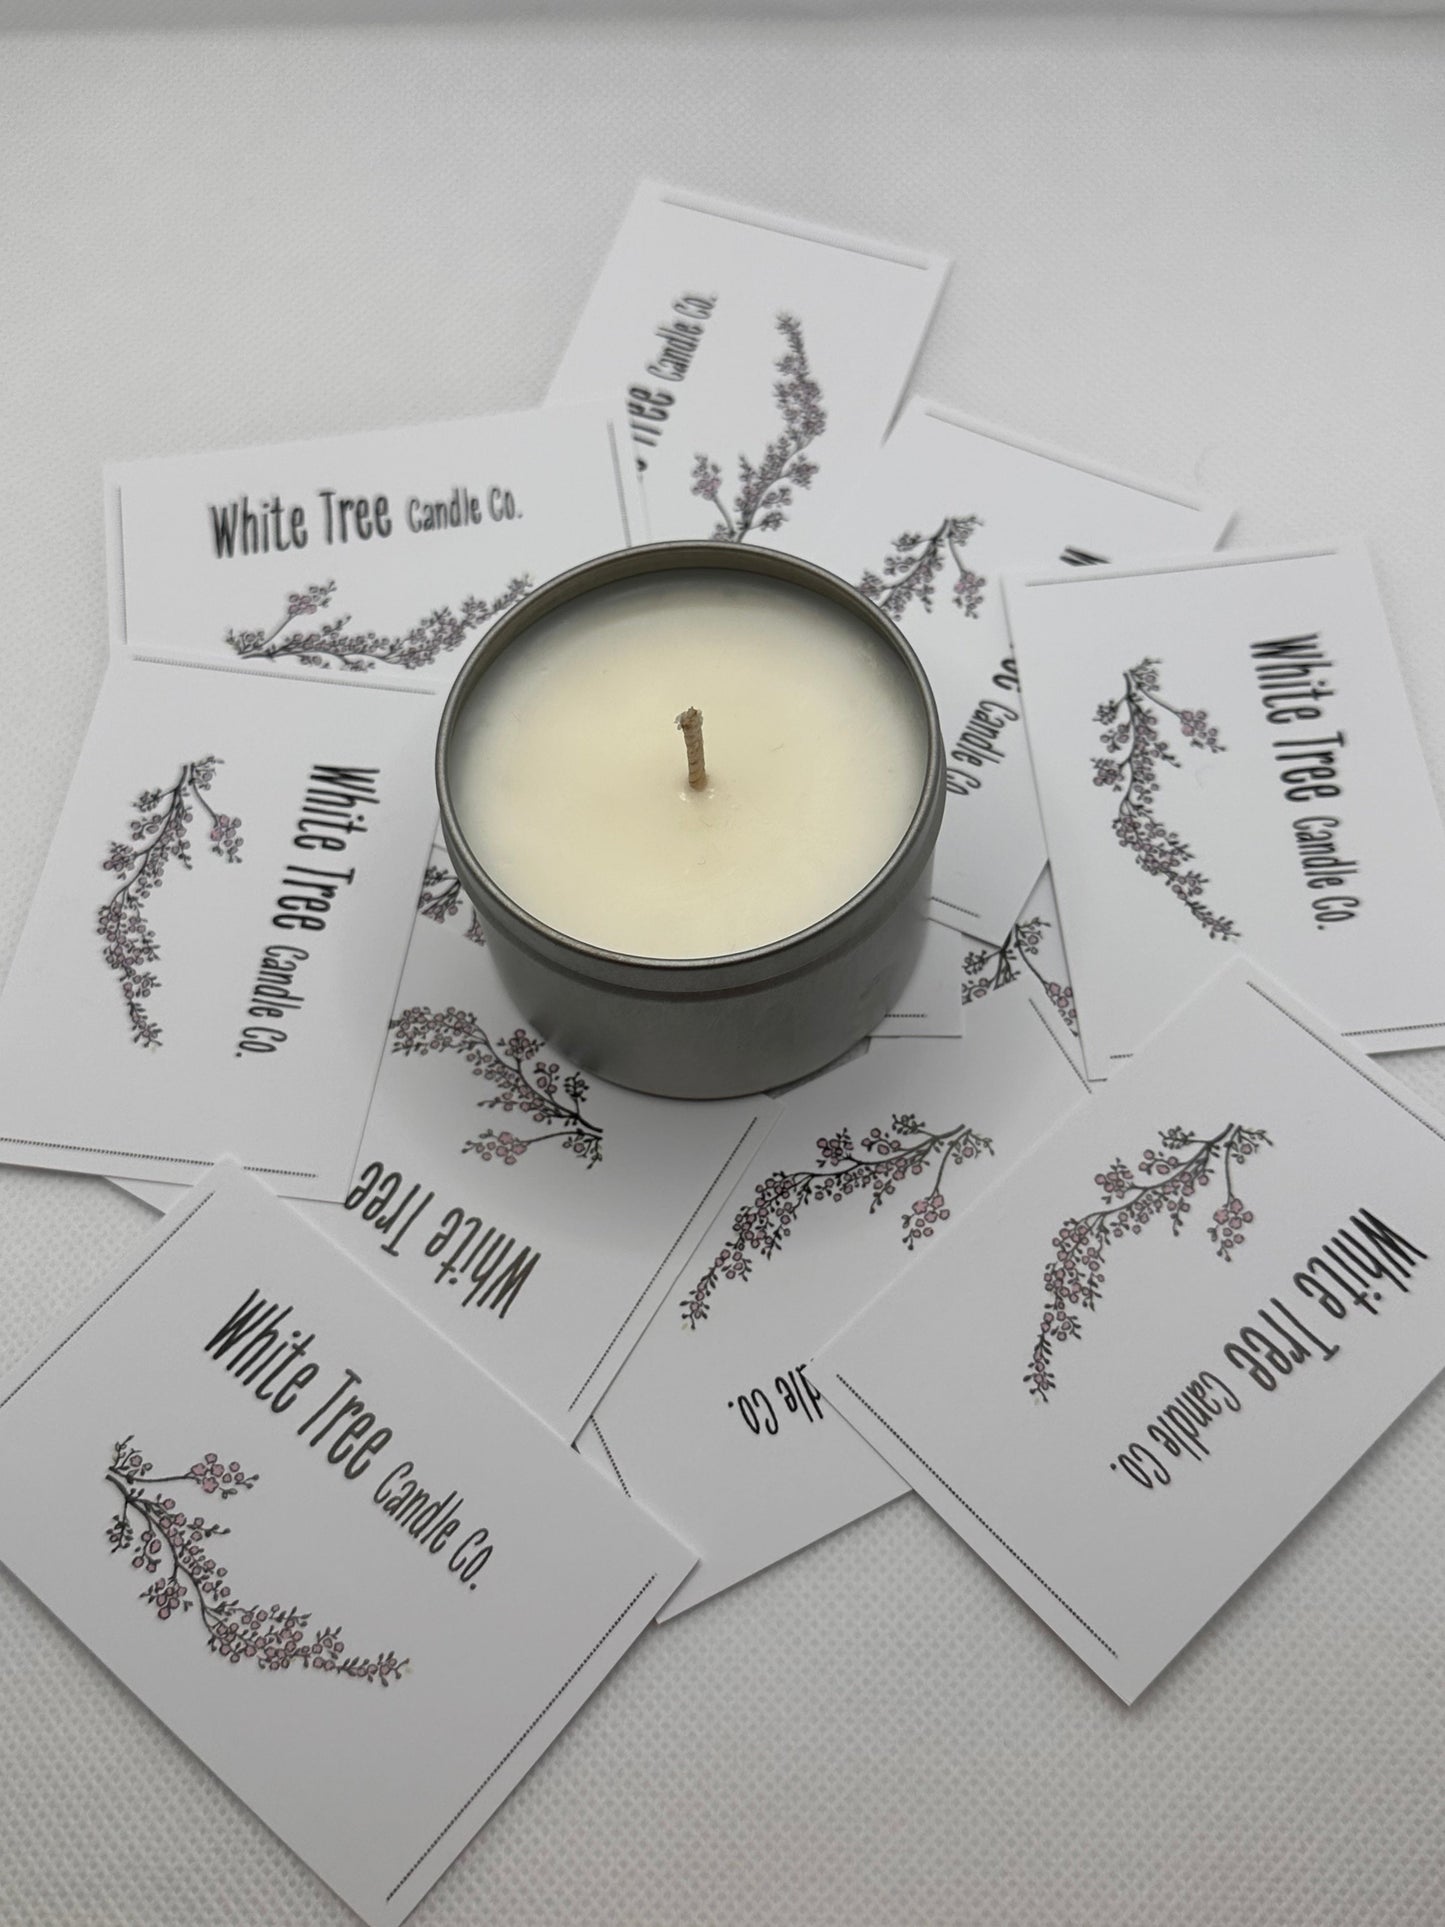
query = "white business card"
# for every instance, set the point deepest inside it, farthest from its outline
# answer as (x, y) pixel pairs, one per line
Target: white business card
(1225, 756)
(215, 944)
(1135, 1366)
(383, 554)
(759, 359)
(360, 1582)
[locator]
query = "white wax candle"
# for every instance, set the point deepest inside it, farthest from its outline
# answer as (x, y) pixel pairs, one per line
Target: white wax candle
(569, 775)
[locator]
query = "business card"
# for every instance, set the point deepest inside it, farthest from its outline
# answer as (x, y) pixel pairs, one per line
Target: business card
(386, 554)
(1225, 759)
(758, 359)
(213, 951)
(348, 1571)
(1134, 1367)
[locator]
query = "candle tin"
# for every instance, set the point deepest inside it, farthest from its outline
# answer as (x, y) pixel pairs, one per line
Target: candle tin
(705, 1027)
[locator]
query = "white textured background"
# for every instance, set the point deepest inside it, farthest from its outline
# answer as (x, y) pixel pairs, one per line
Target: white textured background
(1209, 251)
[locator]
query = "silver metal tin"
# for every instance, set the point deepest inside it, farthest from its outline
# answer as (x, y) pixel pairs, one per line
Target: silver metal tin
(708, 1026)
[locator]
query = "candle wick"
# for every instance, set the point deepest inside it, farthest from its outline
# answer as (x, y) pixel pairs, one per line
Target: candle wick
(690, 723)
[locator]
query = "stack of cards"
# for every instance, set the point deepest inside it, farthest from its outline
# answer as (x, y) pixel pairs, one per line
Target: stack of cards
(213, 953)
(1154, 765)
(1110, 1242)
(246, 948)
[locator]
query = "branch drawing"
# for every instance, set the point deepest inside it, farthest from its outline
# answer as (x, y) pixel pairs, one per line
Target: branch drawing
(441, 897)
(765, 492)
(329, 644)
(524, 1083)
(910, 570)
(158, 832)
(172, 1544)
(878, 1165)
(997, 964)
(1135, 750)
(1168, 1180)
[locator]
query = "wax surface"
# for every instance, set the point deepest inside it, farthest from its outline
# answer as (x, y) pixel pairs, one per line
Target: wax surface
(569, 775)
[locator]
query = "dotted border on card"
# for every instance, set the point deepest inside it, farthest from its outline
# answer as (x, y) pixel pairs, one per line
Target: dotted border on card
(522, 1736)
(150, 1157)
(320, 680)
(974, 1514)
(616, 1468)
(1392, 1030)
(1058, 1043)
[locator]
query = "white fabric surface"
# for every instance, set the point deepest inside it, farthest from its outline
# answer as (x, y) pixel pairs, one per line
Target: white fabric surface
(1203, 250)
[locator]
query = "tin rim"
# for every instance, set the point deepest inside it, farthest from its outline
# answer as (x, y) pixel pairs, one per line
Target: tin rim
(801, 949)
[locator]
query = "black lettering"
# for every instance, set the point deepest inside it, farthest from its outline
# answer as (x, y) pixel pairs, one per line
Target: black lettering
(223, 529)
(1388, 1243)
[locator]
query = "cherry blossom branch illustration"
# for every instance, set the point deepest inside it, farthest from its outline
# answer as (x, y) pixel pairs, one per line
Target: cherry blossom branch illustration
(172, 1544)
(524, 1083)
(441, 898)
(1168, 1181)
(319, 648)
(878, 1165)
(159, 832)
(911, 567)
(998, 964)
(765, 492)
(1136, 748)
